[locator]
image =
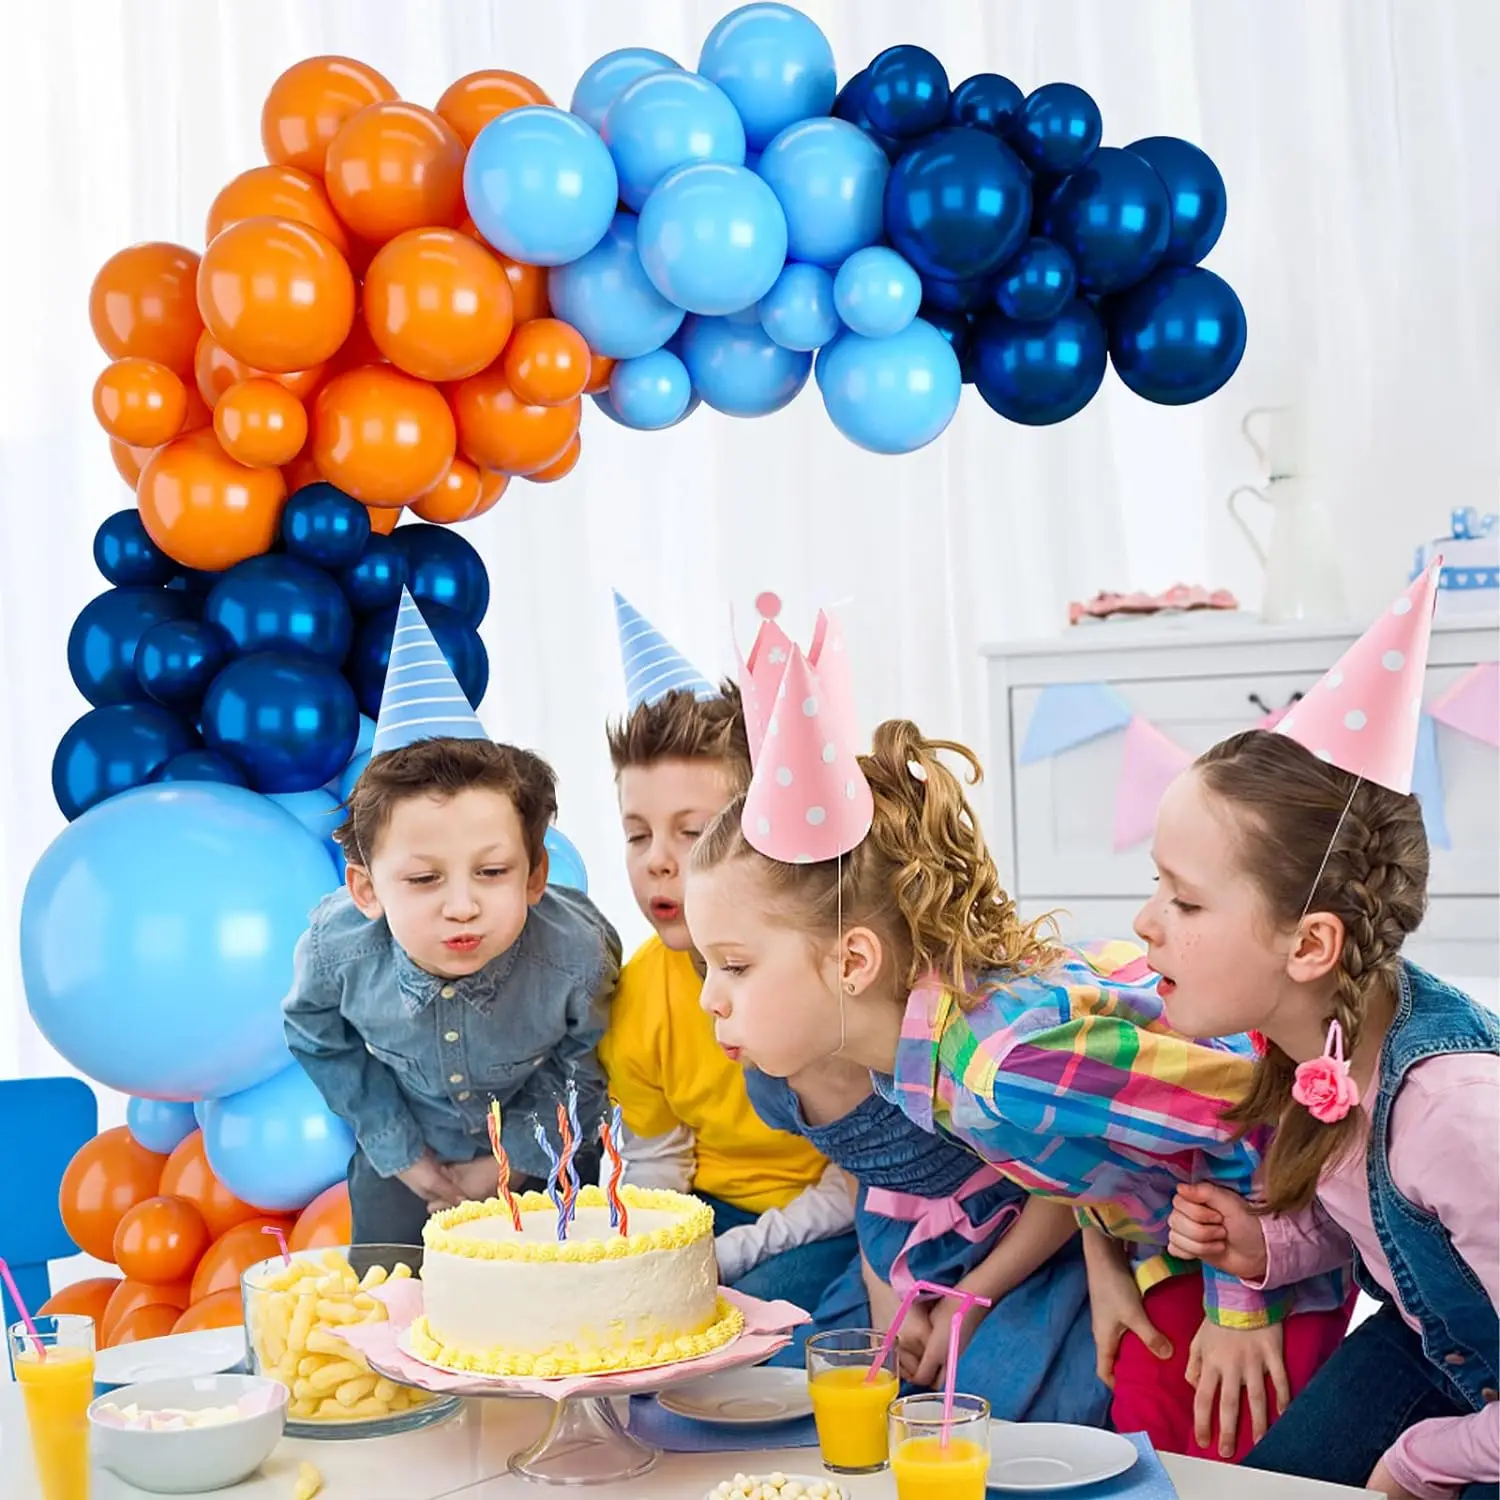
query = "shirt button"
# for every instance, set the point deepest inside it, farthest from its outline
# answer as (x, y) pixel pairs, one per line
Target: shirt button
(1488, 1394)
(455, 1078)
(463, 1096)
(447, 992)
(450, 1036)
(1455, 1359)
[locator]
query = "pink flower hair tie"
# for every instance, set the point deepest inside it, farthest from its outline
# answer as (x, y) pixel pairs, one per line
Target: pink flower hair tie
(1323, 1083)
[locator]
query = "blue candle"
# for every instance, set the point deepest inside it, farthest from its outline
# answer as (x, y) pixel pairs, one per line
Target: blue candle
(572, 1096)
(553, 1190)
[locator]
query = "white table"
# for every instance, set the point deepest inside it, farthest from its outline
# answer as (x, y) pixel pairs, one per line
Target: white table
(467, 1457)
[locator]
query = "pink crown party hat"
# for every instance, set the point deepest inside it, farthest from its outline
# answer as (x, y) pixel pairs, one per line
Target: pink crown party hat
(1364, 715)
(760, 672)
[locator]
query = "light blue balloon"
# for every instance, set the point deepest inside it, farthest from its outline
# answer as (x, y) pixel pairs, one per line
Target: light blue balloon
(877, 293)
(366, 734)
(738, 369)
(712, 238)
(667, 120)
(798, 312)
(160, 1125)
(829, 177)
(277, 1145)
(351, 774)
(540, 185)
(891, 395)
(320, 813)
(651, 391)
(774, 63)
(564, 862)
(602, 401)
(609, 299)
(157, 933)
(199, 1108)
(603, 81)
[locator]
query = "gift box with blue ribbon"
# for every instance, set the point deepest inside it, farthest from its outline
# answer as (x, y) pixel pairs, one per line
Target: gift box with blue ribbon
(1470, 579)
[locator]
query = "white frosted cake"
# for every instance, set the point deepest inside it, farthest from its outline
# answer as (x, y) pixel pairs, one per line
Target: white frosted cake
(501, 1302)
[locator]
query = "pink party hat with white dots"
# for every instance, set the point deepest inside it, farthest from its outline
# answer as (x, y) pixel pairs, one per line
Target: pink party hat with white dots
(1364, 715)
(760, 672)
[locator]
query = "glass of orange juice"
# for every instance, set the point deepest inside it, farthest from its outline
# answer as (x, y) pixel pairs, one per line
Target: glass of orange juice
(937, 1459)
(849, 1403)
(57, 1384)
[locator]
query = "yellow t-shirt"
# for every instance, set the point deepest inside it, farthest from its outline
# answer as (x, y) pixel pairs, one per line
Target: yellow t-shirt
(666, 1069)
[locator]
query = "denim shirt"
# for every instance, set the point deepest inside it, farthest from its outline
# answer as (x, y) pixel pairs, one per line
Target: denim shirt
(412, 1060)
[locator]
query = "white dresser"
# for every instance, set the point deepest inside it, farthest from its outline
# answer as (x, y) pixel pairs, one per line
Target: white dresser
(1197, 678)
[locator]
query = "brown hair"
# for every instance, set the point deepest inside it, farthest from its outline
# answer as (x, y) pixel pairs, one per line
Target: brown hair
(1374, 880)
(443, 768)
(680, 726)
(923, 877)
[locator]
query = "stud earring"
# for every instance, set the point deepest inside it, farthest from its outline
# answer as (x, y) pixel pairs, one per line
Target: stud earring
(850, 986)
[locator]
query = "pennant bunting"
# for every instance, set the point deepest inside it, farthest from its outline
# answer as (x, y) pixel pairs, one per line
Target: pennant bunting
(1472, 704)
(1427, 784)
(1151, 763)
(1068, 714)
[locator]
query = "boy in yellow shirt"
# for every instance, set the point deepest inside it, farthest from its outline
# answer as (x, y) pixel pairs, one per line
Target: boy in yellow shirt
(783, 1215)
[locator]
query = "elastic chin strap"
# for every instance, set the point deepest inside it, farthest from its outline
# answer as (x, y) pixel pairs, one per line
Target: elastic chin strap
(838, 982)
(1338, 828)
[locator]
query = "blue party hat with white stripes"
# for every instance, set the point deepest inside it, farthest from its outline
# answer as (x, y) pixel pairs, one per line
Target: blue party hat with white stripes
(421, 699)
(654, 667)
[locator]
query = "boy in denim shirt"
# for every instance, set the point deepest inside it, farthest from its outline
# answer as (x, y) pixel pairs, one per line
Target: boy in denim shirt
(448, 972)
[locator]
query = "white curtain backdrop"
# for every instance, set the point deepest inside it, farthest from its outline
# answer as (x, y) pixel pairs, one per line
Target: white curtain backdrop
(1357, 139)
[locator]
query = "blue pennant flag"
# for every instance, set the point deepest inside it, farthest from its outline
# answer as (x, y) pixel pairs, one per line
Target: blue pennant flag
(653, 666)
(1427, 784)
(1072, 713)
(421, 699)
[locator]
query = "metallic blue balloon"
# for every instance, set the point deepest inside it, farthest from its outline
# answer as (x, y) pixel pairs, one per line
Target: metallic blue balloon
(988, 102)
(1037, 282)
(957, 296)
(1059, 129)
(798, 312)
(958, 204)
(288, 718)
(177, 659)
(956, 327)
(907, 92)
(125, 555)
(564, 863)
(891, 395)
(281, 604)
(323, 525)
(112, 749)
(160, 1125)
(442, 568)
(603, 81)
(1113, 217)
(738, 369)
(376, 580)
(1197, 193)
(1178, 336)
(194, 583)
(106, 637)
(371, 653)
(202, 765)
(876, 292)
(850, 106)
(666, 120)
(829, 177)
(1040, 373)
(610, 300)
(651, 391)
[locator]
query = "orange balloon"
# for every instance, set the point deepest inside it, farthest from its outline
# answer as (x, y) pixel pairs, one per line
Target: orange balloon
(381, 436)
(279, 193)
(276, 294)
(560, 467)
(160, 1240)
(492, 485)
(227, 1259)
(128, 461)
(199, 413)
(325, 1221)
(260, 422)
(188, 1175)
(471, 103)
(547, 362)
(383, 518)
(437, 305)
(393, 167)
(107, 1177)
(218, 1310)
(203, 509)
(309, 103)
(358, 349)
(496, 430)
(215, 369)
(528, 289)
(140, 402)
(600, 366)
(131, 1295)
(153, 1321)
(86, 1299)
(144, 303)
(300, 472)
(454, 497)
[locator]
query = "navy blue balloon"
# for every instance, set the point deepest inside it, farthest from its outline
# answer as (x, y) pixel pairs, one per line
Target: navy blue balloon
(460, 645)
(1037, 282)
(1059, 129)
(376, 580)
(105, 637)
(957, 296)
(1178, 336)
(442, 568)
(1113, 217)
(987, 101)
(195, 583)
(323, 525)
(956, 327)
(177, 659)
(112, 749)
(850, 105)
(281, 604)
(1197, 193)
(203, 765)
(289, 719)
(906, 92)
(1040, 373)
(126, 555)
(958, 204)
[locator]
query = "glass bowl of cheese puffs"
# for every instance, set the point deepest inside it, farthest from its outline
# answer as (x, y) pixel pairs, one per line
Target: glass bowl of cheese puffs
(293, 1317)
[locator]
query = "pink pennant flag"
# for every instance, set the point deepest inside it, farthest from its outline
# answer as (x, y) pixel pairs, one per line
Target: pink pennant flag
(1472, 704)
(1152, 762)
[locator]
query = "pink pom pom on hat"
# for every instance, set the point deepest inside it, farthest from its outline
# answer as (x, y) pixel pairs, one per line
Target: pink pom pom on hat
(760, 672)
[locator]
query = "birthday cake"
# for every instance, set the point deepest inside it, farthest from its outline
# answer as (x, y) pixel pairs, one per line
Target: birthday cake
(501, 1300)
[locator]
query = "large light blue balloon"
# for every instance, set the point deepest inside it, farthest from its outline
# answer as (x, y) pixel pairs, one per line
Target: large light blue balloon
(160, 1125)
(320, 813)
(604, 81)
(798, 312)
(540, 185)
(667, 120)
(564, 862)
(277, 1145)
(351, 773)
(876, 292)
(610, 300)
(651, 391)
(157, 933)
(712, 238)
(738, 369)
(602, 401)
(891, 395)
(774, 63)
(366, 734)
(829, 178)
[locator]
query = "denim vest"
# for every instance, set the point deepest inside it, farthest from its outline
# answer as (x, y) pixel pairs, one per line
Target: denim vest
(1460, 1331)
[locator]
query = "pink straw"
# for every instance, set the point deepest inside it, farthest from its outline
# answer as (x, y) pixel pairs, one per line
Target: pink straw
(15, 1296)
(286, 1254)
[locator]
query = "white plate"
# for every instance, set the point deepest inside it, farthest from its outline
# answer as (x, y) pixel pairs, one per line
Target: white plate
(742, 1398)
(1039, 1456)
(210, 1351)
